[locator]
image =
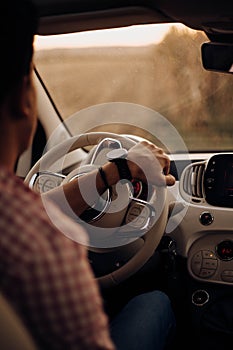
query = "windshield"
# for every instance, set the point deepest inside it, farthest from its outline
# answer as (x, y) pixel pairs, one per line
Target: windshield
(155, 66)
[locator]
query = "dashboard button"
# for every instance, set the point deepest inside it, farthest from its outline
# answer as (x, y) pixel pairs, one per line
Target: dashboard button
(200, 297)
(208, 254)
(227, 276)
(210, 180)
(206, 273)
(206, 218)
(225, 250)
(196, 263)
(210, 264)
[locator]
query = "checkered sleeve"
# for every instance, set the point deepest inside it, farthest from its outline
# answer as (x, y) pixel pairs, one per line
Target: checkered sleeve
(62, 300)
(48, 278)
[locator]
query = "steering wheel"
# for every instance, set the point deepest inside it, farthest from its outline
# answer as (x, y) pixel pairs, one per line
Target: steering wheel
(131, 226)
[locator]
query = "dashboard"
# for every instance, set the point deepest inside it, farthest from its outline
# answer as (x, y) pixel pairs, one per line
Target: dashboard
(201, 221)
(205, 233)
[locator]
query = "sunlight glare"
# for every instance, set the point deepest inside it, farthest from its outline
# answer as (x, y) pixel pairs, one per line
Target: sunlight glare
(129, 36)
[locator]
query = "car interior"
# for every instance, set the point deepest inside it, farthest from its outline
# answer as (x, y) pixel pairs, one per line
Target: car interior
(109, 74)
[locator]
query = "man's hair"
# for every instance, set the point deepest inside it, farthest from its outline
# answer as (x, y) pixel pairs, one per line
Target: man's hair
(18, 24)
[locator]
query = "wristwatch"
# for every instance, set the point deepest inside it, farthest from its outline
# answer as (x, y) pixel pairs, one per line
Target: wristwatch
(118, 156)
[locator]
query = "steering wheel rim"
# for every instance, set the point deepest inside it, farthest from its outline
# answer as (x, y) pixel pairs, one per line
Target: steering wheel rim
(151, 238)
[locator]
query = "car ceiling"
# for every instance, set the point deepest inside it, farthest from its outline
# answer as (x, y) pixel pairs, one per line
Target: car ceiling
(59, 16)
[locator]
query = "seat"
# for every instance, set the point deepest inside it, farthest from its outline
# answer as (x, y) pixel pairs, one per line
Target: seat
(13, 333)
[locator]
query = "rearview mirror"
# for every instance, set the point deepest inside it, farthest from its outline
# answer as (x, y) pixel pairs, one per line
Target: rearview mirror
(217, 57)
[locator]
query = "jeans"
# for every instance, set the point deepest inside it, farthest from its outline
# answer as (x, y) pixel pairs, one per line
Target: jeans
(147, 322)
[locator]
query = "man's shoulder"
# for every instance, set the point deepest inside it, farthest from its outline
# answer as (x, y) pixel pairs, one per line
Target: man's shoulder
(13, 189)
(22, 207)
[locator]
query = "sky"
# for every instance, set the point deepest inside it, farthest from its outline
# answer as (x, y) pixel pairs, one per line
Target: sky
(130, 36)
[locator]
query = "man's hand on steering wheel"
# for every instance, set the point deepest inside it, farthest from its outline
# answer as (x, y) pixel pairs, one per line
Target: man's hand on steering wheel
(147, 163)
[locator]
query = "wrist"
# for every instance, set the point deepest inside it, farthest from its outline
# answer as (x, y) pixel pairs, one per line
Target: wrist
(111, 173)
(118, 156)
(103, 177)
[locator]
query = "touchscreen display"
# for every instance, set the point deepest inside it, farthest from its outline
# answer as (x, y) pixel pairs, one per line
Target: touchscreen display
(218, 180)
(228, 179)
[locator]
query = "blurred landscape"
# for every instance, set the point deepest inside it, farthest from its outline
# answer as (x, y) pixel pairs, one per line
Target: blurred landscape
(167, 77)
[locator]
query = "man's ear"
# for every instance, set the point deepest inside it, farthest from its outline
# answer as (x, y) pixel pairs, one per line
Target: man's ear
(19, 101)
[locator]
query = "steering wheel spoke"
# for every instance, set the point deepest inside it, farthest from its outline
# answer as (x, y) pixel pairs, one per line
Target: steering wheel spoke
(99, 156)
(43, 181)
(140, 215)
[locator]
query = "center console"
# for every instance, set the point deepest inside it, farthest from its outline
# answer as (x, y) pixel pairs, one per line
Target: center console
(209, 181)
(208, 188)
(206, 239)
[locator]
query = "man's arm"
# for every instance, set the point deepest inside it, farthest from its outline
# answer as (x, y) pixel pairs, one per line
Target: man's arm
(146, 163)
(61, 298)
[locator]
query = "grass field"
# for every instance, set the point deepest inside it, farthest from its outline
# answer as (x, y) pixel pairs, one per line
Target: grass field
(198, 103)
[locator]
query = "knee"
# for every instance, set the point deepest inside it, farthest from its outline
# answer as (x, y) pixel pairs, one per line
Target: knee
(158, 305)
(153, 299)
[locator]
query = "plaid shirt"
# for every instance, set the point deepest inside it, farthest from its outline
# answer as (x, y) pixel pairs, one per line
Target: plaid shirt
(46, 275)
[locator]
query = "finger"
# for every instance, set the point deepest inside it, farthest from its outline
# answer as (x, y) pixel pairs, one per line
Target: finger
(165, 163)
(170, 180)
(166, 169)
